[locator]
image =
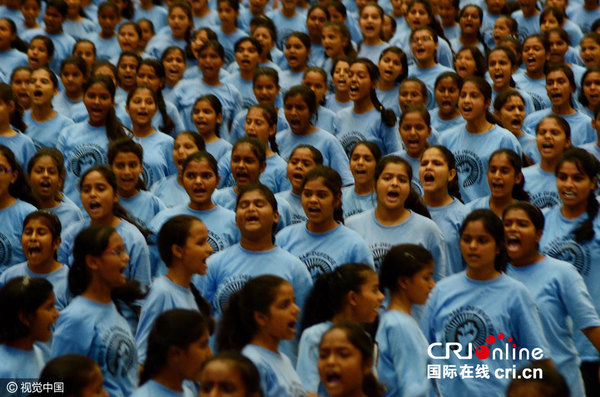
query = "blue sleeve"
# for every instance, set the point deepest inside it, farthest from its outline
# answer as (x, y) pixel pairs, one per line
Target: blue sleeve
(139, 261)
(338, 160)
(390, 138)
(153, 306)
(302, 284)
(306, 366)
(577, 299)
(525, 319)
(72, 336)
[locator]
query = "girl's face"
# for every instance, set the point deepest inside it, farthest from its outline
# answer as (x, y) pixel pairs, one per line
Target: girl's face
(255, 216)
(263, 35)
(551, 139)
(127, 70)
(446, 96)
(44, 179)
(108, 19)
(20, 86)
(41, 322)
(418, 287)
(361, 84)
(179, 22)
(85, 51)
(6, 35)
(220, 378)
(470, 21)
(258, 127)
(316, 82)
(41, 88)
(280, 321)
(558, 48)
(333, 42)
(341, 365)
(128, 38)
(174, 65)
(434, 172)
(297, 114)
(414, 132)
(591, 89)
(447, 12)
(471, 102)
(127, 168)
(418, 16)
(522, 237)
(183, 146)
(465, 64)
(393, 186)
(194, 357)
(390, 66)
(53, 20)
(245, 166)
(98, 196)
(72, 78)
(227, 14)
(559, 88)
(335, 15)
(502, 176)
(199, 181)
(590, 52)
(265, 90)
(370, 23)
(98, 101)
(113, 262)
(423, 47)
(368, 299)
(38, 242)
(500, 68)
(534, 55)
(247, 56)
(410, 94)
(362, 165)
(315, 21)
(296, 53)
(37, 54)
(301, 161)
(478, 246)
(205, 118)
(495, 7)
(30, 10)
(574, 186)
(210, 63)
(146, 75)
(319, 202)
(142, 107)
(512, 114)
(549, 22)
(194, 254)
(340, 77)
(147, 33)
(7, 176)
(501, 29)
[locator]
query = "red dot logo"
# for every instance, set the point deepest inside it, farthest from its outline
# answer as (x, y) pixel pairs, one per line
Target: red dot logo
(500, 335)
(482, 352)
(490, 339)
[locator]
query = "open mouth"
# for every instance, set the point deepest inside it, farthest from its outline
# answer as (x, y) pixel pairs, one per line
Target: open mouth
(333, 379)
(34, 249)
(393, 195)
(497, 186)
(252, 218)
(428, 177)
(513, 243)
(568, 194)
(516, 123)
(313, 210)
(242, 175)
(94, 205)
(38, 94)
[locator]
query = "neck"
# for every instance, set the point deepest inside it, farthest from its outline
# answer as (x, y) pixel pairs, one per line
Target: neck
(264, 242)
(127, 193)
(364, 188)
(49, 266)
(549, 165)
(498, 204)
(500, 89)
(363, 105)
(573, 212)
(484, 274)
(389, 217)
(563, 109)
(108, 220)
(450, 116)
(201, 206)
(399, 301)
(170, 378)
(213, 80)
(247, 74)
(479, 125)
(298, 69)
(385, 85)
(437, 198)
(468, 39)
(288, 12)
(210, 137)
(142, 130)
(372, 41)
(25, 343)
(228, 29)
(535, 74)
(107, 35)
(98, 291)
(7, 200)
(529, 259)
(178, 274)
(42, 112)
(266, 341)
(321, 227)
(426, 63)
(342, 96)
(74, 96)
(47, 202)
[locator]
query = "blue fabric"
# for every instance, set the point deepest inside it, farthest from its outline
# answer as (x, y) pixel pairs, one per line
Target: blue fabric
(21, 145)
(353, 203)
(581, 125)
(45, 134)
(11, 219)
(429, 76)
(143, 207)
(295, 202)
(541, 186)
(19, 363)
(308, 354)
(170, 192)
(449, 218)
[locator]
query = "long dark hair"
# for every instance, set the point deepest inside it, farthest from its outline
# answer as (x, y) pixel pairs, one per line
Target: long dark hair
(114, 129)
(16, 116)
(168, 126)
(388, 117)
(19, 189)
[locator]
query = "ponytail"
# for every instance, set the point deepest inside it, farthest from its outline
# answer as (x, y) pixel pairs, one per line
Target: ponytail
(388, 117)
(114, 129)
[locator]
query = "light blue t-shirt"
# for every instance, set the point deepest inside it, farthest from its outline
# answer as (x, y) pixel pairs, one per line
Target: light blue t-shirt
(170, 192)
(157, 15)
(285, 25)
(429, 76)
(463, 310)
(535, 88)
(526, 26)
(18, 363)
(581, 125)
(472, 153)
(449, 218)
(353, 203)
(541, 186)
(21, 145)
(565, 307)
(417, 229)
(445, 125)
(45, 134)
(143, 207)
(402, 361)
(274, 176)
(153, 389)
(158, 157)
(308, 354)
(67, 212)
(324, 252)
(98, 331)
(12, 59)
(295, 202)
(11, 219)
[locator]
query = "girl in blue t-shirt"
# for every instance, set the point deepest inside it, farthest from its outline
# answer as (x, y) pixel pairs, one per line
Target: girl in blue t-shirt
(207, 116)
(470, 61)
(28, 312)
(441, 195)
(174, 64)
(316, 79)
(74, 73)
(407, 274)
(230, 370)
(106, 42)
(509, 110)
(45, 175)
(258, 317)
(181, 24)
(559, 291)
(506, 182)
(341, 85)
(350, 374)
(91, 325)
(12, 48)
(589, 96)
(184, 247)
(40, 51)
(360, 197)
(446, 90)
(533, 79)
(470, 19)
(297, 54)
(127, 66)
(393, 69)
(19, 82)
(12, 127)
(371, 23)
(79, 374)
(15, 203)
(352, 291)
(177, 350)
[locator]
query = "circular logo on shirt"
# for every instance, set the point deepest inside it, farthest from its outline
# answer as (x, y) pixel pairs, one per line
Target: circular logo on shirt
(318, 263)
(5, 251)
(538, 101)
(468, 324)
(545, 199)
(570, 251)
(350, 139)
(215, 241)
(379, 251)
(85, 156)
(469, 168)
(147, 175)
(231, 285)
(121, 353)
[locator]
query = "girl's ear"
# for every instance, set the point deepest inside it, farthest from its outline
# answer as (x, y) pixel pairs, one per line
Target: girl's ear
(219, 118)
(25, 319)
(402, 282)
(263, 166)
(177, 251)
(451, 175)
(351, 299)
(275, 217)
(56, 243)
(92, 262)
(518, 178)
(260, 319)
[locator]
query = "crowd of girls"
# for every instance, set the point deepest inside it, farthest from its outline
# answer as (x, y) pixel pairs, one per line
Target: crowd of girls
(166, 165)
